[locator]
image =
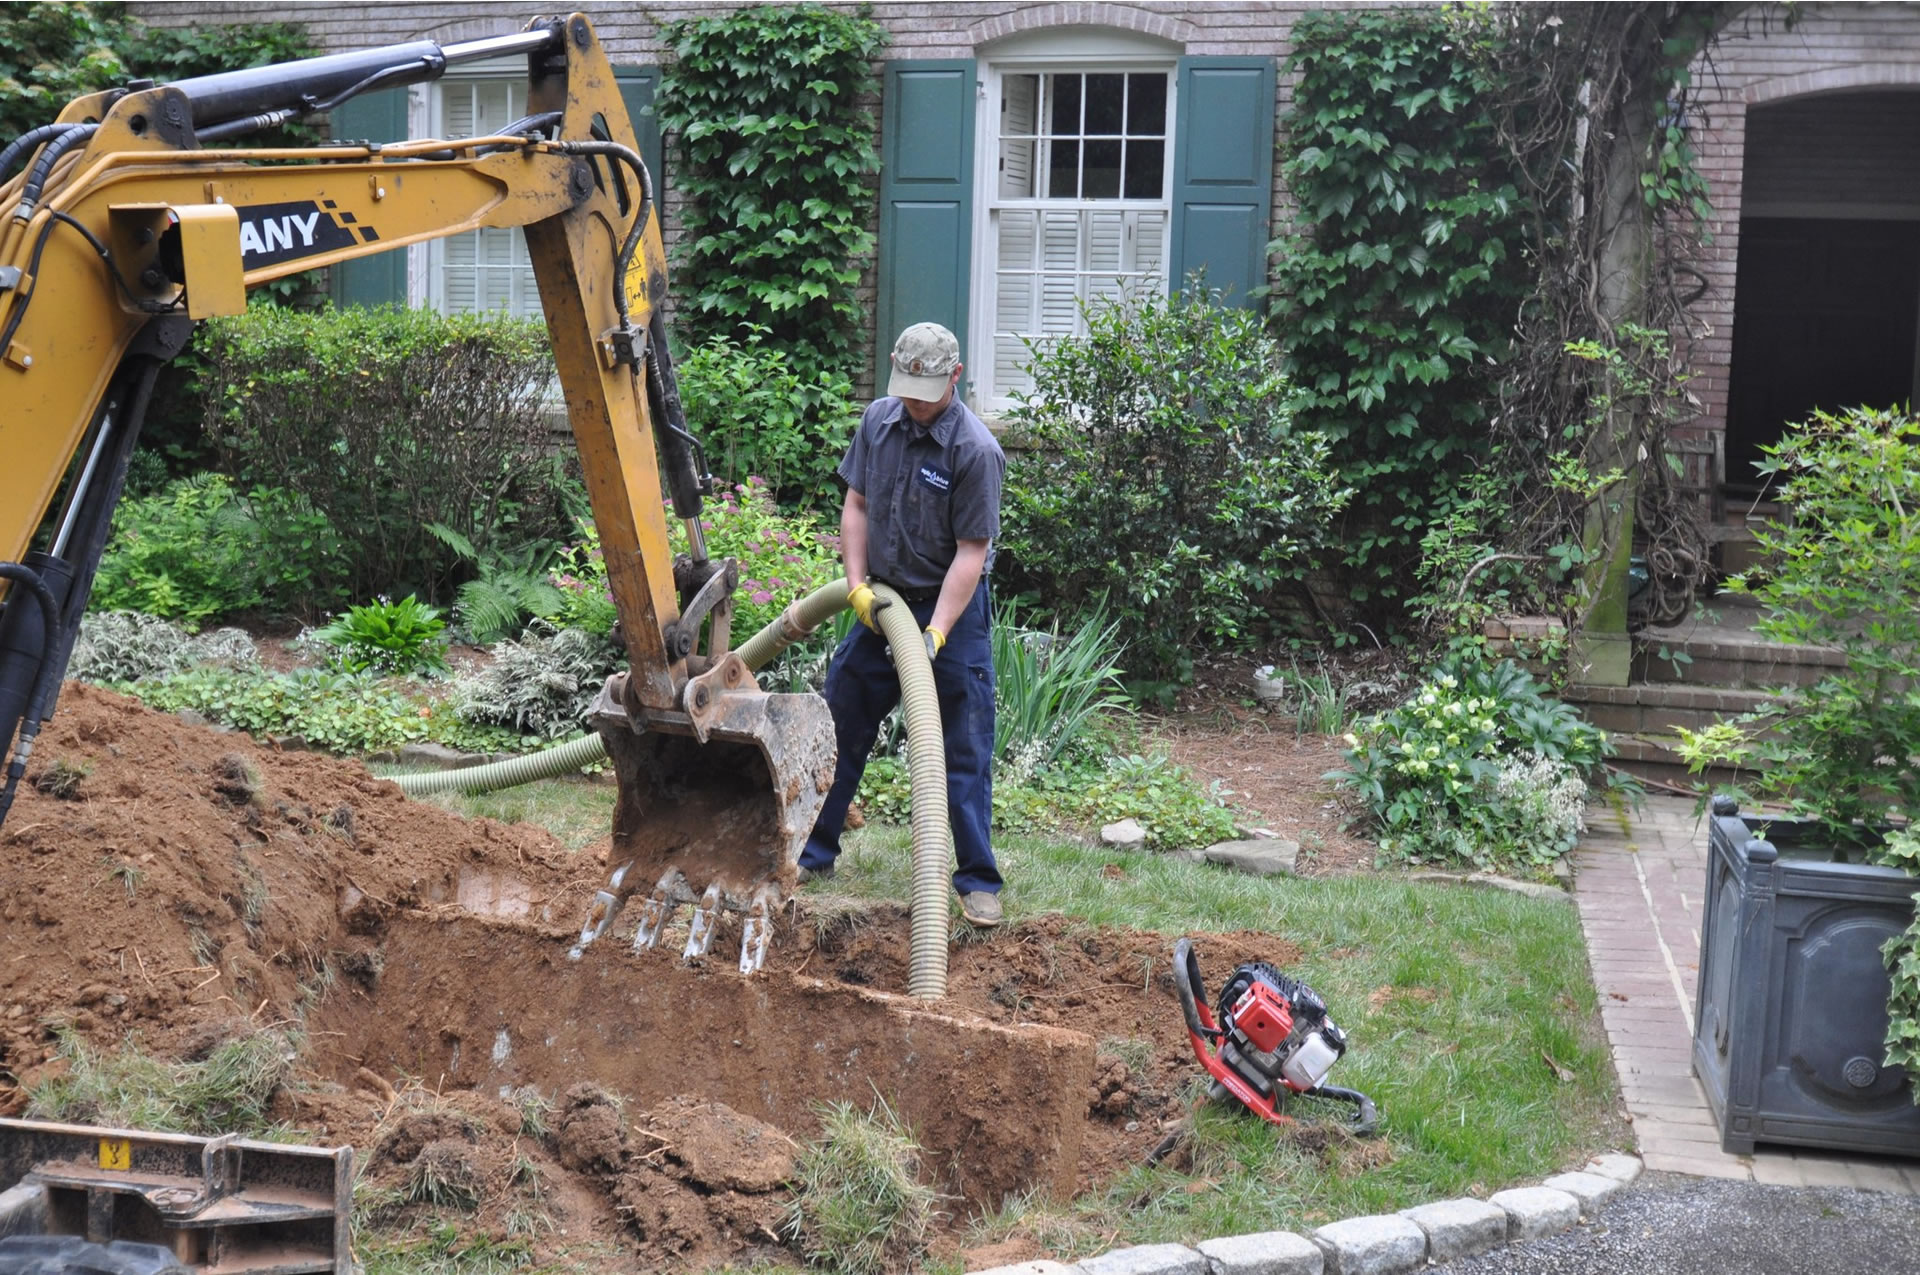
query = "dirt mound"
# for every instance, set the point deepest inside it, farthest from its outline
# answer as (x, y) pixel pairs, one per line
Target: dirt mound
(189, 875)
(181, 886)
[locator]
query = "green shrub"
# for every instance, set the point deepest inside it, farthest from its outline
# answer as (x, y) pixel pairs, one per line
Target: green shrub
(230, 1091)
(579, 578)
(388, 422)
(782, 556)
(347, 713)
(1049, 690)
(771, 107)
(542, 685)
(1173, 487)
(122, 646)
(1843, 572)
(511, 587)
(200, 550)
(1902, 955)
(759, 416)
(397, 638)
(1477, 766)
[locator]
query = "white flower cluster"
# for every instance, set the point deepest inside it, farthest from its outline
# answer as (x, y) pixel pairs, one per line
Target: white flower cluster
(1546, 801)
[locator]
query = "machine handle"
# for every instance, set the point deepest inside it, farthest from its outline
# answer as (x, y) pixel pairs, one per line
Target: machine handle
(1186, 981)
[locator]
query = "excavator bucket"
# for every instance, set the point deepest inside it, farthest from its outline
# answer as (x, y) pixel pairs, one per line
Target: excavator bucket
(717, 824)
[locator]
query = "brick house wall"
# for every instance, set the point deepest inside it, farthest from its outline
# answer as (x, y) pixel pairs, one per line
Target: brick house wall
(1758, 62)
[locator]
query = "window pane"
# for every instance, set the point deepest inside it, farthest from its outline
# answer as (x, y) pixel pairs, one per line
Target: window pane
(1146, 169)
(1100, 179)
(1147, 105)
(1104, 103)
(1066, 105)
(1063, 170)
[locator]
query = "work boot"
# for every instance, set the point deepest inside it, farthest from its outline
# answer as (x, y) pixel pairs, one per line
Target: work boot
(981, 909)
(816, 874)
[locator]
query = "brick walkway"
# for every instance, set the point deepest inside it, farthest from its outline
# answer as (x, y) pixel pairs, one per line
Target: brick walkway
(1639, 889)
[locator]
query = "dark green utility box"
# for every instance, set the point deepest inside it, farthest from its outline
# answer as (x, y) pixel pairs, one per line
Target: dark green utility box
(1792, 1010)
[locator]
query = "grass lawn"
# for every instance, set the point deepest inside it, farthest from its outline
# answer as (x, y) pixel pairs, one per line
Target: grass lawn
(1454, 999)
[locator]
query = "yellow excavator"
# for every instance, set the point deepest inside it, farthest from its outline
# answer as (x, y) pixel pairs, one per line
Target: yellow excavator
(133, 216)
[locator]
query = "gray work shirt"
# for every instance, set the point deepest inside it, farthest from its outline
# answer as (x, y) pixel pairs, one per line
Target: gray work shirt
(926, 489)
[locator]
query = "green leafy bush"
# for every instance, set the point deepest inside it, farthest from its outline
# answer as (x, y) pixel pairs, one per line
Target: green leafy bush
(758, 415)
(782, 556)
(542, 685)
(1049, 690)
(1171, 485)
(200, 550)
(122, 646)
(579, 578)
(400, 638)
(777, 155)
(1902, 955)
(1843, 572)
(347, 713)
(1477, 766)
(512, 587)
(389, 422)
(1397, 293)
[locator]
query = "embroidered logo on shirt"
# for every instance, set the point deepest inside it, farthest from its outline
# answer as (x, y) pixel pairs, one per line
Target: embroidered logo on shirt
(935, 478)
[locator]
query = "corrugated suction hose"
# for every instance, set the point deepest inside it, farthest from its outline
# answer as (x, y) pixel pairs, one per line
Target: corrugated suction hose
(926, 763)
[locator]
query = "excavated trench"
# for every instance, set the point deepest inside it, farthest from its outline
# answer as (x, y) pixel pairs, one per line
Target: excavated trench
(183, 886)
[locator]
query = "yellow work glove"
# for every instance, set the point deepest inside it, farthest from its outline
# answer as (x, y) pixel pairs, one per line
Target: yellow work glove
(935, 640)
(866, 606)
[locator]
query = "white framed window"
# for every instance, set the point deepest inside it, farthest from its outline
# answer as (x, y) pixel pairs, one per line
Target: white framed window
(486, 269)
(1075, 195)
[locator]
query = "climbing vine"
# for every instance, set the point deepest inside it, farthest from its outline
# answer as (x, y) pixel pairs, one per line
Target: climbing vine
(1395, 296)
(777, 155)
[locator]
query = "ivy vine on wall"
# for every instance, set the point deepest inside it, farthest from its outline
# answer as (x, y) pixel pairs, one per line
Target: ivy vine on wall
(777, 155)
(1395, 294)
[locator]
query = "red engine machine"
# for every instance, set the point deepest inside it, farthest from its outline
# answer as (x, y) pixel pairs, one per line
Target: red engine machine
(1269, 1038)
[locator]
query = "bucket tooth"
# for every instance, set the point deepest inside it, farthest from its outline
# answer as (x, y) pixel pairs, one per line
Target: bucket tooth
(758, 928)
(606, 907)
(658, 910)
(706, 918)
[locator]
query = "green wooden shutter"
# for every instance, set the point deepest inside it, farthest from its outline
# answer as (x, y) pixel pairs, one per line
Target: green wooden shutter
(1223, 173)
(382, 278)
(638, 85)
(926, 200)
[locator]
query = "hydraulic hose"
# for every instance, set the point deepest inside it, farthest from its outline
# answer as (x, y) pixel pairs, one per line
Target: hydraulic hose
(926, 763)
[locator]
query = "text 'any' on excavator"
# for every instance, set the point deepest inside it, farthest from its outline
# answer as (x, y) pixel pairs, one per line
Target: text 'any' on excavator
(133, 216)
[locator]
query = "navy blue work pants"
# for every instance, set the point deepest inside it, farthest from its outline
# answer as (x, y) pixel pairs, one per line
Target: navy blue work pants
(862, 688)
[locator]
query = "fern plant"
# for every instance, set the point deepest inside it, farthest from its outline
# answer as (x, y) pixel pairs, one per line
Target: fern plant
(512, 587)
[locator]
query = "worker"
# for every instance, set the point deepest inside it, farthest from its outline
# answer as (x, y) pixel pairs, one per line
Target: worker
(923, 478)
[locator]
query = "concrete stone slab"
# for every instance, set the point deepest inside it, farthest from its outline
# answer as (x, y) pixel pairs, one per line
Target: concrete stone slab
(1147, 1259)
(1382, 1244)
(1459, 1228)
(1701, 1167)
(1536, 1211)
(1591, 1189)
(1621, 1168)
(1268, 1253)
(1269, 857)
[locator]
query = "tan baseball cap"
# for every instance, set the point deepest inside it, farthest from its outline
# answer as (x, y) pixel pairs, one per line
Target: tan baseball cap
(923, 361)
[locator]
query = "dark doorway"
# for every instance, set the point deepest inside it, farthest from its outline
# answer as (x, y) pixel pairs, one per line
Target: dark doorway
(1825, 315)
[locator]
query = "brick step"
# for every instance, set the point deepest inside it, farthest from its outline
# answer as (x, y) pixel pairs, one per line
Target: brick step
(1719, 661)
(1653, 757)
(1661, 707)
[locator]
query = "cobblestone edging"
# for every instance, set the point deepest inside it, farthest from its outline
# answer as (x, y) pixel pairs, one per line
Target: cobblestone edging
(1385, 1244)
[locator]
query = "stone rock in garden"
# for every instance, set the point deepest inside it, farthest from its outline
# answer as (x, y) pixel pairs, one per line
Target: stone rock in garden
(1621, 1168)
(1379, 1245)
(436, 755)
(1459, 1228)
(1127, 834)
(1268, 1253)
(1593, 1190)
(1264, 857)
(1147, 1259)
(1493, 881)
(1534, 1212)
(1039, 1266)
